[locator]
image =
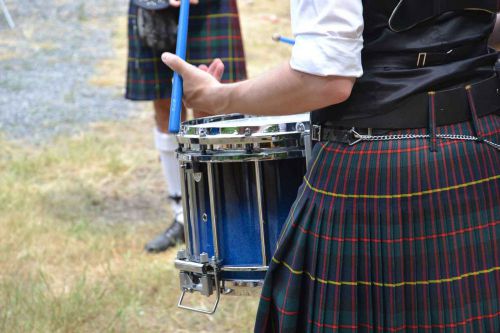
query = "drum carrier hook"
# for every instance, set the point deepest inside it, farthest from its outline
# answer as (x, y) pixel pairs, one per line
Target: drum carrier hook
(200, 277)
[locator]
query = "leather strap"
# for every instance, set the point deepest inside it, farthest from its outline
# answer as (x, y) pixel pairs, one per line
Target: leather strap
(424, 59)
(452, 106)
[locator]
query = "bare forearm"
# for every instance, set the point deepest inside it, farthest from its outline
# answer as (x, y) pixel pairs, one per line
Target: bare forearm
(284, 91)
(278, 92)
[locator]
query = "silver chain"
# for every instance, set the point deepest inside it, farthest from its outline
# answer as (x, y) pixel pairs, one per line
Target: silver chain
(361, 137)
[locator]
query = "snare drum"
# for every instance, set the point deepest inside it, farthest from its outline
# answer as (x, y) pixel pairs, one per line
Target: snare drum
(240, 176)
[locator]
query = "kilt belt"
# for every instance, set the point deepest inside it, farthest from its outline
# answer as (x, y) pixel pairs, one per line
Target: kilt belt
(452, 105)
(455, 106)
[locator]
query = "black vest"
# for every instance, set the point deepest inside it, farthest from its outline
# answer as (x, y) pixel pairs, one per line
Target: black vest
(416, 46)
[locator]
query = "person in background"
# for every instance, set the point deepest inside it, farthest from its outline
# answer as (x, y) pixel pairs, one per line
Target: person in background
(214, 32)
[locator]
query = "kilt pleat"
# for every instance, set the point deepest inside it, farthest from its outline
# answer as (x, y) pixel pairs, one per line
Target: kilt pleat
(387, 236)
(214, 32)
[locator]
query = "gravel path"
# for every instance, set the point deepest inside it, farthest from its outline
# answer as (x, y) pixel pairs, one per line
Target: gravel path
(46, 63)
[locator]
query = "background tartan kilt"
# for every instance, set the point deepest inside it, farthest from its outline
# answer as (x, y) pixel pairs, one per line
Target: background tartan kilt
(214, 32)
(388, 236)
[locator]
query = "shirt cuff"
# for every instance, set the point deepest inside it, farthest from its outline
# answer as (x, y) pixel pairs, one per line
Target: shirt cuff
(326, 55)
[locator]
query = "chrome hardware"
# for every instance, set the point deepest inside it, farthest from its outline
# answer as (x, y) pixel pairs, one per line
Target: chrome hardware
(185, 265)
(197, 176)
(355, 135)
(185, 211)
(259, 189)
(307, 147)
(244, 268)
(193, 212)
(211, 195)
(199, 277)
(241, 288)
(316, 133)
(181, 254)
(204, 217)
(421, 59)
(204, 258)
(361, 137)
(266, 134)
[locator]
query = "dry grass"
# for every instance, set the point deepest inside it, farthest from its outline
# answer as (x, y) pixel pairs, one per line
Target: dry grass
(74, 219)
(259, 21)
(75, 214)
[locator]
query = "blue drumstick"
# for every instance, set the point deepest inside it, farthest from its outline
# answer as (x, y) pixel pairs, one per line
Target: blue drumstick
(279, 38)
(174, 123)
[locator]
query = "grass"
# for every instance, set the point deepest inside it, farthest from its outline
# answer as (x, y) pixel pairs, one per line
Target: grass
(74, 218)
(75, 213)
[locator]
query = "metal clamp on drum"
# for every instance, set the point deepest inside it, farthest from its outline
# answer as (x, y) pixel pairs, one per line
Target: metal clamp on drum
(199, 276)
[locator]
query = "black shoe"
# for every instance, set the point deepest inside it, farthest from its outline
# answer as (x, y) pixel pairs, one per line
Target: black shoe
(173, 235)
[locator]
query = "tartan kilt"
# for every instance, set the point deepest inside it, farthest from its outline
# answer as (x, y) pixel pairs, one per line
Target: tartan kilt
(214, 32)
(387, 236)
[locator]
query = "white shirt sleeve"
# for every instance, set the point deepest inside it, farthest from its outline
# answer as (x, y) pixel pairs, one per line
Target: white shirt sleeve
(328, 37)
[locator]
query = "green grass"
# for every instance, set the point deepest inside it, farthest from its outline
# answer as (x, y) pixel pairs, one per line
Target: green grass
(74, 217)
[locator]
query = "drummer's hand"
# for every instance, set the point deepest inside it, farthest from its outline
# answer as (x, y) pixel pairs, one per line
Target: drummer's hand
(200, 84)
(177, 3)
(216, 69)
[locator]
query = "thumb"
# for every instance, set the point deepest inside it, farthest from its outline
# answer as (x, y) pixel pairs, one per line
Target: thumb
(175, 63)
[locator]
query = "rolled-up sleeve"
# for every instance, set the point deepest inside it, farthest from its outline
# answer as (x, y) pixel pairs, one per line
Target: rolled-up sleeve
(328, 37)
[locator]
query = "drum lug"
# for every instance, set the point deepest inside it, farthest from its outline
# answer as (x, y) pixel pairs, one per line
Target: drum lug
(242, 288)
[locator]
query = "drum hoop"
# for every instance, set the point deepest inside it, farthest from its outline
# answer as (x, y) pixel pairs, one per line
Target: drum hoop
(231, 139)
(240, 156)
(212, 119)
(244, 268)
(227, 131)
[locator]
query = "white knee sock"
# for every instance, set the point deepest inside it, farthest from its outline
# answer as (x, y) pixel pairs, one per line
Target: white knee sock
(166, 145)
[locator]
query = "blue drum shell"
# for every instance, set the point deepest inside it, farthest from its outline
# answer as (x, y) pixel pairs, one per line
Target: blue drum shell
(237, 212)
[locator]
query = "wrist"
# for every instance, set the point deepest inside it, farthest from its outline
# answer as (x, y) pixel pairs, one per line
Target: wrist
(222, 98)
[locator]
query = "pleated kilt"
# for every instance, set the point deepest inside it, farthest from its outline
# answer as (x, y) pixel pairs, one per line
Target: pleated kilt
(388, 236)
(214, 32)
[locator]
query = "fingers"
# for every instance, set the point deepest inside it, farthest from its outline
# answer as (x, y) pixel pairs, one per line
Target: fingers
(216, 69)
(175, 63)
(174, 3)
(177, 3)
